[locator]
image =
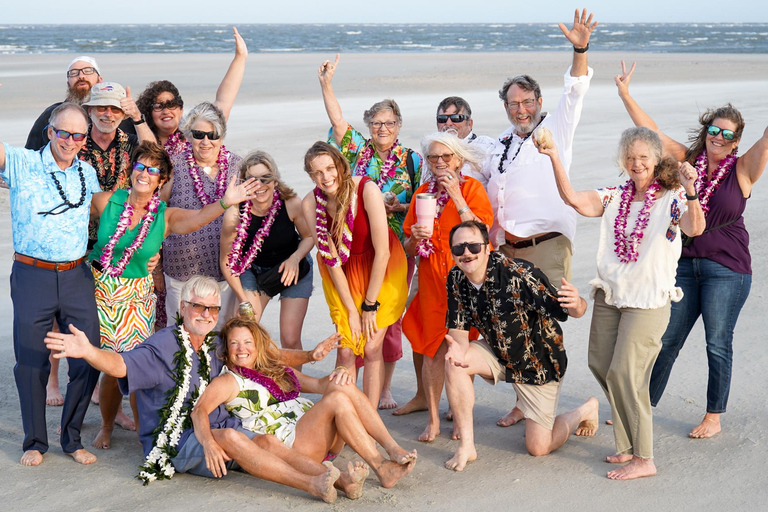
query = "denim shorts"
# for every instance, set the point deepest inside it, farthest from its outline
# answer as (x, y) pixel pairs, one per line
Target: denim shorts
(300, 290)
(191, 456)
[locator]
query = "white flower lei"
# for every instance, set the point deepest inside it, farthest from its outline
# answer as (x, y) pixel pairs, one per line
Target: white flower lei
(157, 465)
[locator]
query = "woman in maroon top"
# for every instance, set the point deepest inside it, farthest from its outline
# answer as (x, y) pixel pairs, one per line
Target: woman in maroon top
(714, 270)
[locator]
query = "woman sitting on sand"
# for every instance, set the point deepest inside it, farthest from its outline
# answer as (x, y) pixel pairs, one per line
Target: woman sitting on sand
(715, 270)
(256, 387)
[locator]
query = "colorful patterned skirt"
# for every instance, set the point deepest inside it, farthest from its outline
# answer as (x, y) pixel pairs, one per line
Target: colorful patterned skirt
(126, 310)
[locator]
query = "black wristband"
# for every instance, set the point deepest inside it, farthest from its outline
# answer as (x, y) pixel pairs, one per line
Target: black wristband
(581, 50)
(140, 121)
(370, 307)
(692, 197)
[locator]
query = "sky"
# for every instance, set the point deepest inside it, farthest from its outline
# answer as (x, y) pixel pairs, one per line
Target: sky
(390, 11)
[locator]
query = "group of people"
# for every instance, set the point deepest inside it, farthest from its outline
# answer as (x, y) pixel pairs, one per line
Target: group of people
(93, 204)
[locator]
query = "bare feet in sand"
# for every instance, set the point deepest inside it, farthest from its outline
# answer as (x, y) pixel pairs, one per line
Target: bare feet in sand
(83, 456)
(637, 468)
(389, 472)
(589, 425)
(53, 395)
(416, 404)
(708, 427)
(322, 485)
(618, 458)
(511, 418)
(609, 422)
(95, 395)
(387, 401)
(430, 433)
(461, 458)
(31, 458)
(449, 415)
(400, 455)
(352, 480)
(456, 435)
(124, 421)
(103, 439)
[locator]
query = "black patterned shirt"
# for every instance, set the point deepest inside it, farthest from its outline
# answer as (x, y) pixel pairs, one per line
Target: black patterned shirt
(517, 312)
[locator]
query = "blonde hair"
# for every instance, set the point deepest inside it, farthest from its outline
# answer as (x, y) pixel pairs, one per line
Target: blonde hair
(262, 157)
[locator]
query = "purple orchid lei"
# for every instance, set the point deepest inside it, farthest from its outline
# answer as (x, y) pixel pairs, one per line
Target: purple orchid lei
(323, 245)
(122, 226)
(275, 390)
(425, 247)
(626, 246)
(387, 171)
(235, 261)
(222, 161)
(707, 190)
(175, 144)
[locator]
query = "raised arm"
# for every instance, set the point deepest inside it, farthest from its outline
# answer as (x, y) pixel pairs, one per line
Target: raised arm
(751, 166)
(230, 84)
(221, 390)
(377, 217)
(579, 36)
(332, 107)
(78, 346)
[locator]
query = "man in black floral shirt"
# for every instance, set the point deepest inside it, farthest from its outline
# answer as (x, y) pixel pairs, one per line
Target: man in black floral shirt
(516, 310)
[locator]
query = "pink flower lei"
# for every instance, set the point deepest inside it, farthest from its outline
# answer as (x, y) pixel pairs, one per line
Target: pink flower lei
(707, 190)
(425, 247)
(175, 144)
(626, 246)
(222, 161)
(275, 390)
(238, 263)
(387, 170)
(122, 226)
(323, 244)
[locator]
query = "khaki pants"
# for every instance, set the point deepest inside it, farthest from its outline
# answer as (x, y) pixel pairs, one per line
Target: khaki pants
(553, 257)
(623, 345)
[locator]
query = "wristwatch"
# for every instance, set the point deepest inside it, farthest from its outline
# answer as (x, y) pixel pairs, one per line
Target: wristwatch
(140, 121)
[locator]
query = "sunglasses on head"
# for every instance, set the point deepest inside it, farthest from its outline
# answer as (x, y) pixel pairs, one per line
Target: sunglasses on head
(474, 248)
(200, 135)
(455, 118)
(152, 171)
(200, 308)
(170, 105)
(64, 134)
(715, 130)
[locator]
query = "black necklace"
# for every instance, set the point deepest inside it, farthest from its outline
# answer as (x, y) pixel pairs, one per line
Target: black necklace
(66, 204)
(507, 141)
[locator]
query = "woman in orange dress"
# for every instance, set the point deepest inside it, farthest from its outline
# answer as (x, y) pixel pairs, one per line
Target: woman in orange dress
(459, 199)
(360, 260)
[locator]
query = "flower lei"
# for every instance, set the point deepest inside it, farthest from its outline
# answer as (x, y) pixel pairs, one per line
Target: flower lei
(425, 247)
(387, 170)
(112, 170)
(707, 190)
(122, 226)
(174, 416)
(626, 246)
(323, 244)
(275, 390)
(221, 179)
(238, 263)
(175, 145)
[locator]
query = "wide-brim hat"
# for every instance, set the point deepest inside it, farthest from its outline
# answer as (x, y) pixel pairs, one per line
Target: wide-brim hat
(106, 94)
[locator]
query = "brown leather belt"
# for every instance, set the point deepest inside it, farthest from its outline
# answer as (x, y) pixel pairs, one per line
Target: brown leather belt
(48, 265)
(533, 241)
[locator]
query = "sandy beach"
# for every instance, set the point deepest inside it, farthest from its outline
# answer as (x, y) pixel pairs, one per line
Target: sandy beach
(280, 110)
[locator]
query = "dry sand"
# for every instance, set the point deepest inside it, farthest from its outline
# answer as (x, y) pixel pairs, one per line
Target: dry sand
(279, 110)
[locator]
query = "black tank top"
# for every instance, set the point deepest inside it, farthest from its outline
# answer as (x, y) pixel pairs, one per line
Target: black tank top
(283, 240)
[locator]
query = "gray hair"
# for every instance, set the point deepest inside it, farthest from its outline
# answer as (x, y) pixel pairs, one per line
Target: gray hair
(205, 111)
(456, 101)
(66, 107)
(200, 286)
(381, 106)
(643, 134)
(467, 153)
(524, 82)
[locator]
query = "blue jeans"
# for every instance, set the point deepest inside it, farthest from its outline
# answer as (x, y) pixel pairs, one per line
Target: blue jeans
(717, 294)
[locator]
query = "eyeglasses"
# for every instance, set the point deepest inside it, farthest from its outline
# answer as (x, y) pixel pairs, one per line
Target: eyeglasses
(516, 105)
(200, 308)
(72, 73)
(266, 180)
(63, 134)
(103, 108)
(200, 135)
(152, 171)
(377, 125)
(474, 248)
(433, 159)
(455, 118)
(715, 130)
(170, 105)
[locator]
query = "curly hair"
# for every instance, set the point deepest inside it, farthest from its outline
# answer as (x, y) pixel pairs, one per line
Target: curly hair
(149, 97)
(698, 136)
(262, 157)
(665, 170)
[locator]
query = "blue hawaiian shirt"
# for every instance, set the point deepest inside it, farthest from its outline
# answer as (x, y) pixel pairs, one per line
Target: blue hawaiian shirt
(58, 238)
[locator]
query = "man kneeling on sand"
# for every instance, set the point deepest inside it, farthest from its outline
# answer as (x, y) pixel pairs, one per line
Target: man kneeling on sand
(169, 371)
(516, 310)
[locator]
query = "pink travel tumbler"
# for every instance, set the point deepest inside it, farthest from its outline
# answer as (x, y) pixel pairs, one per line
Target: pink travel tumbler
(426, 210)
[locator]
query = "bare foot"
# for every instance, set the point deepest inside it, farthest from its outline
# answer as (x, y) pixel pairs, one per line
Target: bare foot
(83, 456)
(124, 421)
(31, 458)
(95, 395)
(352, 480)
(58, 430)
(400, 455)
(416, 404)
(387, 401)
(390, 472)
(430, 433)
(449, 415)
(461, 458)
(53, 396)
(103, 438)
(589, 425)
(708, 427)
(456, 435)
(637, 468)
(618, 458)
(609, 422)
(511, 418)
(322, 485)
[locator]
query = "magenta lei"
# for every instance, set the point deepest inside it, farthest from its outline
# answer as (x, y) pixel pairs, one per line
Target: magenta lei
(271, 386)
(222, 161)
(122, 226)
(626, 246)
(238, 263)
(175, 144)
(387, 171)
(323, 238)
(707, 189)
(425, 247)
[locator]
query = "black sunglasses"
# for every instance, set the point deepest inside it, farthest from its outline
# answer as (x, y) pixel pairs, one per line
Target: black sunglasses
(200, 135)
(170, 105)
(474, 248)
(152, 171)
(200, 309)
(265, 180)
(715, 130)
(455, 118)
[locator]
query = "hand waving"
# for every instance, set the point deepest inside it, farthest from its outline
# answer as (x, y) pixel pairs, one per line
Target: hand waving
(582, 29)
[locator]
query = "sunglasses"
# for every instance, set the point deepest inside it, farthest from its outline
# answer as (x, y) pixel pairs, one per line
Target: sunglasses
(200, 309)
(103, 108)
(455, 118)
(474, 248)
(63, 134)
(152, 171)
(170, 105)
(200, 135)
(265, 180)
(72, 73)
(715, 130)
(446, 158)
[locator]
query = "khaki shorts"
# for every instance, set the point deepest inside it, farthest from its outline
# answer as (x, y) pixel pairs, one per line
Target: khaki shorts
(538, 402)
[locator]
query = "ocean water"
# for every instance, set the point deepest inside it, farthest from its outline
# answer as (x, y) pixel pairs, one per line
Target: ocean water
(272, 38)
